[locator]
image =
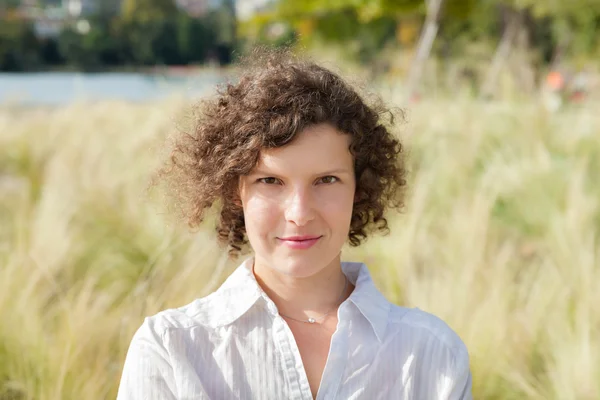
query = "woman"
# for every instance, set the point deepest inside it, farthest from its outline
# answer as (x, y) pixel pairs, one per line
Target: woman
(296, 164)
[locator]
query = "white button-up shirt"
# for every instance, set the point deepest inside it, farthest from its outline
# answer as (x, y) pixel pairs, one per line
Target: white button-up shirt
(233, 344)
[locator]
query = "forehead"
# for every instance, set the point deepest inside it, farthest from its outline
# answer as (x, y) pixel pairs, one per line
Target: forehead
(316, 147)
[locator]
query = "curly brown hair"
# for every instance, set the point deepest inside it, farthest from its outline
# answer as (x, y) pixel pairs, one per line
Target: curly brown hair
(278, 95)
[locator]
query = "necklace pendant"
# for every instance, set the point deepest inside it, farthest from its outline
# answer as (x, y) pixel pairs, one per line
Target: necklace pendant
(311, 320)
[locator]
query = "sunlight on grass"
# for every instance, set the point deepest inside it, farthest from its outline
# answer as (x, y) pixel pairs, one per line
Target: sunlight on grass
(499, 239)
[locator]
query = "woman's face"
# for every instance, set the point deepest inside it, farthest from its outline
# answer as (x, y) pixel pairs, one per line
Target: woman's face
(298, 202)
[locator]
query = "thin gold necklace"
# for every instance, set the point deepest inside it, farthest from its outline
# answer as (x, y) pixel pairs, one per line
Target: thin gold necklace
(313, 320)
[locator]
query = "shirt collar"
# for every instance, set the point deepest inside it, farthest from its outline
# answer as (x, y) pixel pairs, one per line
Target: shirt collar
(235, 296)
(240, 292)
(367, 298)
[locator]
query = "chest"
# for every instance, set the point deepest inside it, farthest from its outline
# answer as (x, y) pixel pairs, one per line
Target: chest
(272, 359)
(313, 343)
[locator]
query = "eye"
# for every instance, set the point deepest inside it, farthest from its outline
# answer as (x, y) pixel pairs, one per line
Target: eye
(329, 179)
(269, 180)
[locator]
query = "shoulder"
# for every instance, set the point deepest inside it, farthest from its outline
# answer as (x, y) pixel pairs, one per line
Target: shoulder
(426, 331)
(222, 307)
(434, 360)
(198, 313)
(161, 340)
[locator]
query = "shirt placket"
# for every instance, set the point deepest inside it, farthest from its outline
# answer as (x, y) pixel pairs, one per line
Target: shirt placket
(291, 362)
(294, 368)
(337, 357)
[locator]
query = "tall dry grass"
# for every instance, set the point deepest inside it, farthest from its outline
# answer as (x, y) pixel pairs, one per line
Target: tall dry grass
(500, 239)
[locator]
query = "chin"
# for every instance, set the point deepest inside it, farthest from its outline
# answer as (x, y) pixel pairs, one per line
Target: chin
(301, 265)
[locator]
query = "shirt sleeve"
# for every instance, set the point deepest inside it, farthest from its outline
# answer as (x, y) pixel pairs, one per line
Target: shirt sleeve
(460, 387)
(147, 372)
(443, 373)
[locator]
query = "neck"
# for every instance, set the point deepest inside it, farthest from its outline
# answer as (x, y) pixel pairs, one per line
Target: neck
(304, 297)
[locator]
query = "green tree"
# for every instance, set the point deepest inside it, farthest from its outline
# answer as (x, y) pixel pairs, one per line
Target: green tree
(574, 24)
(19, 47)
(148, 10)
(103, 46)
(366, 10)
(371, 23)
(365, 25)
(109, 8)
(9, 4)
(222, 22)
(557, 28)
(194, 38)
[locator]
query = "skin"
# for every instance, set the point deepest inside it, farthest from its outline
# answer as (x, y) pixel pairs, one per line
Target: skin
(304, 188)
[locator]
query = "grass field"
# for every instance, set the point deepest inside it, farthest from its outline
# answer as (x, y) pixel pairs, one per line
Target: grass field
(500, 238)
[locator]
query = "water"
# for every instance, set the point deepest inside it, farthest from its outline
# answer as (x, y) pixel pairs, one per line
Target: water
(61, 88)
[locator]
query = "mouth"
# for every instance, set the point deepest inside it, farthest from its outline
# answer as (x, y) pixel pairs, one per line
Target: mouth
(300, 242)
(299, 238)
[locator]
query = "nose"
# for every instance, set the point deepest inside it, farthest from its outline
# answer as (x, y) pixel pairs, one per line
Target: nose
(300, 207)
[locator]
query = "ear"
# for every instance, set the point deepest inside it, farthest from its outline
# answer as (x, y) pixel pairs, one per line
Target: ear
(237, 201)
(236, 196)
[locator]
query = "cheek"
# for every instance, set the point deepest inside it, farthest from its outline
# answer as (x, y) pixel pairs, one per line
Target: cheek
(337, 209)
(260, 216)
(339, 215)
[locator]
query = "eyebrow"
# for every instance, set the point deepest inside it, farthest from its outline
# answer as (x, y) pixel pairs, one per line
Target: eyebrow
(330, 172)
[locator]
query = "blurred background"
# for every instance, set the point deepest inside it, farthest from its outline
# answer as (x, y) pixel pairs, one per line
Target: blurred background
(500, 236)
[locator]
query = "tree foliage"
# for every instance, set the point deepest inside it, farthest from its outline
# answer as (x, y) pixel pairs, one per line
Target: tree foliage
(19, 47)
(148, 10)
(550, 23)
(146, 33)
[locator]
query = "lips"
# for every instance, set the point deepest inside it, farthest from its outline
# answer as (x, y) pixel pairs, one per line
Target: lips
(300, 238)
(300, 242)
